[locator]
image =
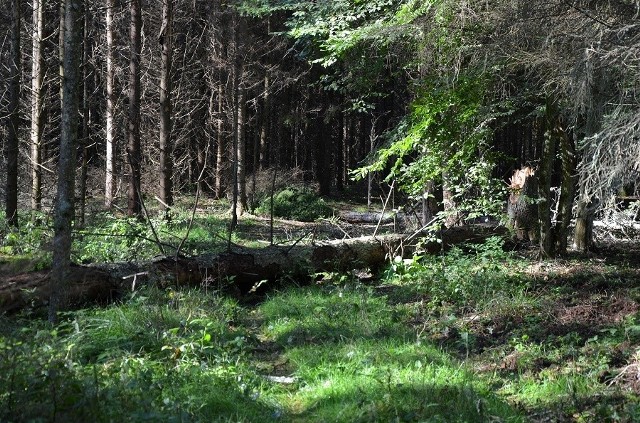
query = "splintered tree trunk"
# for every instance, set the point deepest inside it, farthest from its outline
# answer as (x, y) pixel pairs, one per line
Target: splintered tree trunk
(109, 189)
(448, 203)
(166, 156)
(15, 68)
(583, 234)
(544, 182)
(133, 147)
(37, 123)
(64, 206)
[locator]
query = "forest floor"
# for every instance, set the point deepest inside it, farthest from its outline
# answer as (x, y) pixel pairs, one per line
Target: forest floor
(474, 334)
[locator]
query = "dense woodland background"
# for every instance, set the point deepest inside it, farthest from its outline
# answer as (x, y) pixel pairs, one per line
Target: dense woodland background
(318, 87)
(151, 143)
(440, 99)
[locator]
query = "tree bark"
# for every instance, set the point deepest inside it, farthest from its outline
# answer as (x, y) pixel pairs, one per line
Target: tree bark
(15, 69)
(134, 208)
(64, 206)
(166, 146)
(452, 218)
(241, 157)
(567, 190)
(109, 190)
(220, 145)
(544, 181)
(265, 124)
(86, 110)
(37, 121)
(583, 233)
(244, 267)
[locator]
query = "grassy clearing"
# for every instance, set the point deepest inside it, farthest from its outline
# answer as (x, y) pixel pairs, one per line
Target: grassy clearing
(474, 335)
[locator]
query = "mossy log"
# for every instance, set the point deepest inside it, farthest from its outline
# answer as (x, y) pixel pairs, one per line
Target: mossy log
(236, 271)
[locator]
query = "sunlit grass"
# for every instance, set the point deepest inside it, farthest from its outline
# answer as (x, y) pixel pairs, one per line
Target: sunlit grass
(355, 358)
(482, 344)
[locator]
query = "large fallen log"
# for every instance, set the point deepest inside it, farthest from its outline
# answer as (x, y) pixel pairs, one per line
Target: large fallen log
(237, 271)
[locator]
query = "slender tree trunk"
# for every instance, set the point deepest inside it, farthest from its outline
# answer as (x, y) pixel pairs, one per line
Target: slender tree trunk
(133, 145)
(15, 69)
(240, 96)
(37, 121)
(220, 145)
(372, 145)
(544, 181)
(241, 156)
(235, 91)
(86, 110)
(339, 154)
(64, 206)
(264, 123)
(166, 146)
(567, 190)
(323, 139)
(109, 189)
(429, 208)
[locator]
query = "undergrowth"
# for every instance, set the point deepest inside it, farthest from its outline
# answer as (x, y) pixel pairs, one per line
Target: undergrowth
(471, 335)
(295, 203)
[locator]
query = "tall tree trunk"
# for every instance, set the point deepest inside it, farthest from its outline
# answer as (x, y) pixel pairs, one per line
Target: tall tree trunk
(544, 180)
(109, 189)
(240, 97)
(64, 206)
(15, 69)
(37, 121)
(321, 133)
(339, 154)
(133, 145)
(86, 110)
(241, 157)
(567, 190)
(220, 145)
(166, 145)
(235, 91)
(264, 122)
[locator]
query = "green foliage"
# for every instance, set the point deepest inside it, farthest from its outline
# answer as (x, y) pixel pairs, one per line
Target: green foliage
(466, 276)
(462, 337)
(296, 203)
(29, 238)
(114, 239)
(445, 139)
(159, 357)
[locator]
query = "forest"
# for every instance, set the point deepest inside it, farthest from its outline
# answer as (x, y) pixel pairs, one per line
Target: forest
(348, 210)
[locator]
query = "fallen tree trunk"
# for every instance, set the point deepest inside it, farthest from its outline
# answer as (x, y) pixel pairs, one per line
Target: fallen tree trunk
(237, 271)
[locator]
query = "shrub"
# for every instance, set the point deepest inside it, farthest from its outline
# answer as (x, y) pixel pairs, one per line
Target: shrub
(468, 275)
(296, 203)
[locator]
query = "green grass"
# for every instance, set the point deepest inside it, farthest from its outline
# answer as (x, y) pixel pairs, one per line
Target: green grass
(473, 335)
